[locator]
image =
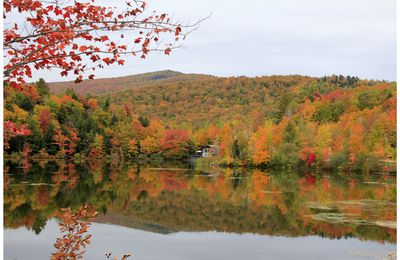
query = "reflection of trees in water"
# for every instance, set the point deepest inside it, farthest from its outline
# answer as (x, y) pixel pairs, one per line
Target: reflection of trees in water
(232, 200)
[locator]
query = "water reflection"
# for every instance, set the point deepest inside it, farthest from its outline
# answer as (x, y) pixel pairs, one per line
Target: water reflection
(169, 200)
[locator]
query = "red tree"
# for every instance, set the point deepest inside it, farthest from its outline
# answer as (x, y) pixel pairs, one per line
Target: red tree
(44, 119)
(175, 142)
(311, 158)
(77, 36)
(11, 130)
(174, 137)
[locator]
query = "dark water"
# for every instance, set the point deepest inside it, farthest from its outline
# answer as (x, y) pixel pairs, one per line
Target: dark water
(177, 213)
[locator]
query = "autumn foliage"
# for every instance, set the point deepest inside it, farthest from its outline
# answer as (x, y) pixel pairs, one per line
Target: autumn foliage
(336, 129)
(78, 37)
(205, 202)
(74, 227)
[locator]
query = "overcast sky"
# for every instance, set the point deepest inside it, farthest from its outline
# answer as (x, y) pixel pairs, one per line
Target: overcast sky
(270, 37)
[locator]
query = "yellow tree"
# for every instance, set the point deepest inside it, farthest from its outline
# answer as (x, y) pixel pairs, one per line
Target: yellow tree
(154, 133)
(226, 140)
(324, 141)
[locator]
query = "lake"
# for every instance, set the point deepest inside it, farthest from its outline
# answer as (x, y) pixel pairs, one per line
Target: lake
(174, 212)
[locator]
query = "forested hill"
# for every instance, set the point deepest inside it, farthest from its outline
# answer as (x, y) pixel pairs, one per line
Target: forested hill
(201, 100)
(107, 85)
(339, 122)
(197, 100)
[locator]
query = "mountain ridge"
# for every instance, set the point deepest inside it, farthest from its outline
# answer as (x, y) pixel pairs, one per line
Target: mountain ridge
(135, 81)
(116, 84)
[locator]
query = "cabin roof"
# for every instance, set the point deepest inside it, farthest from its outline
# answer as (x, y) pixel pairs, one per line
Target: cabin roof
(210, 146)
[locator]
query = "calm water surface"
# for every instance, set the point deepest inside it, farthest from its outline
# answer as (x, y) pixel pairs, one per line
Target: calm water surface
(175, 213)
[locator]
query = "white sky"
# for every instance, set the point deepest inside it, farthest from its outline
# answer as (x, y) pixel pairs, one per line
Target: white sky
(267, 37)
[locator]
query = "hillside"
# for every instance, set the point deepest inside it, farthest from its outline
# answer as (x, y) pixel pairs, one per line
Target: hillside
(197, 100)
(101, 86)
(202, 100)
(335, 122)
